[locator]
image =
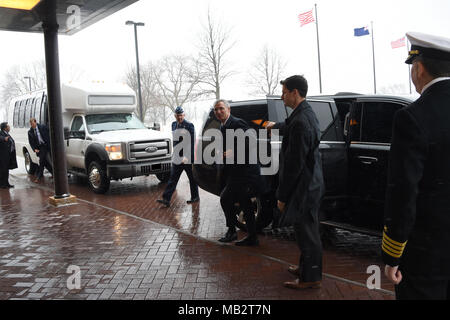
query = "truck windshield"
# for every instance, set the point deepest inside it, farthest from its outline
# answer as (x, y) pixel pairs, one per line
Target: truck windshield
(113, 122)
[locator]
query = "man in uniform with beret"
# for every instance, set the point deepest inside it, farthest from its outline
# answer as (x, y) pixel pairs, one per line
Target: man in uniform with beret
(8, 159)
(416, 235)
(186, 165)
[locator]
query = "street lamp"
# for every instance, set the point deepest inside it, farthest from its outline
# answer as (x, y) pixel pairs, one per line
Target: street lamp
(29, 81)
(137, 24)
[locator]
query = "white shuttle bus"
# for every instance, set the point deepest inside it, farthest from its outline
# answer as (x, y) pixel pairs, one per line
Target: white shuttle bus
(105, 140)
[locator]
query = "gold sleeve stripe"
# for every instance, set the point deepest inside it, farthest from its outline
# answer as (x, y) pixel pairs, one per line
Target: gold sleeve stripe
(393, 246)
(392, 249)
(385, 236)
(387, 251)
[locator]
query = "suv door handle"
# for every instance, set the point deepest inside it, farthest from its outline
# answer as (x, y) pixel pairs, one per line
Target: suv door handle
(368, 160)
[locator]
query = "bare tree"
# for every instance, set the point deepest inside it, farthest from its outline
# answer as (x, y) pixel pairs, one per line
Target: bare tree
(178, 80)
(215, 43)
(266, 72)
(166, 84)
(151, 105)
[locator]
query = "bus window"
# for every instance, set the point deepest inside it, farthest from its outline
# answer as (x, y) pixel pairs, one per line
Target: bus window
(44, 112)
(16, 115)
(28, 109)
(22, 113)
(33, 108)
(37, 111)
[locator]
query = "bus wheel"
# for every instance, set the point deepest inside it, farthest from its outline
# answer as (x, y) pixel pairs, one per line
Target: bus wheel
(97, 178)
(29, 165)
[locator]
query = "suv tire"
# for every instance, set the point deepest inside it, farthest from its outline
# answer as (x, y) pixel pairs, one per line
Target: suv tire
(98, 180)
(30, 166)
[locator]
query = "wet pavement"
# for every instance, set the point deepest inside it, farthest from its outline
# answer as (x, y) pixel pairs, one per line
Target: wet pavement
(129, 247)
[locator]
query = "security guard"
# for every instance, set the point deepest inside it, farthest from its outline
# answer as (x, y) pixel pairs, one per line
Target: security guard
(416, 235)
(186, 165)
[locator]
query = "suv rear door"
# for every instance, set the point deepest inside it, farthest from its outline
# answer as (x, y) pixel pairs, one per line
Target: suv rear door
(370, 133)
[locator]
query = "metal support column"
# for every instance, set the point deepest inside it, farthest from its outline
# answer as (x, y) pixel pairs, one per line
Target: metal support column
(50, 26)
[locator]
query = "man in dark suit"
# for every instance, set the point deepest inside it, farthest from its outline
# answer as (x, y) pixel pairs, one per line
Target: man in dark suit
(186, 163)
(416, 235)
(39, 139)
(8, 159)
(242, 180)
(301, 184)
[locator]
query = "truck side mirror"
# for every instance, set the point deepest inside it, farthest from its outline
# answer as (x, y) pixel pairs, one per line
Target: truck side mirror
(66, 133)
(156, 126)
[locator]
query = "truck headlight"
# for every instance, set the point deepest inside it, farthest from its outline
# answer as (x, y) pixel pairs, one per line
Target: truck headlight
(114, 151)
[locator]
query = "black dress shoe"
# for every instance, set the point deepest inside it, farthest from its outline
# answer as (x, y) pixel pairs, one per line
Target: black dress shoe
(249, 241)
(164, 202)
(197, 199)
(229, 237)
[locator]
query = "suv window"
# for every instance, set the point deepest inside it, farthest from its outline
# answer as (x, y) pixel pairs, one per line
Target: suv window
(255, 118)
(377, 120)
(323, 113)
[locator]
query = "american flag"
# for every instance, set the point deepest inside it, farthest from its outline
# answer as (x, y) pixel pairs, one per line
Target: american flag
(398, 43)
(306, 18)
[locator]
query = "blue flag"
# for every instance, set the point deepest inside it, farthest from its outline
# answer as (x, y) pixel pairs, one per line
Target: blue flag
(364, 31)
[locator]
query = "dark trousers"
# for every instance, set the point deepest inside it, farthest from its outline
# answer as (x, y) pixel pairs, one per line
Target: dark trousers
(236, 192)
(4, 176)
(175, 174)
(44, 162)
(422, 288)
(308, 240)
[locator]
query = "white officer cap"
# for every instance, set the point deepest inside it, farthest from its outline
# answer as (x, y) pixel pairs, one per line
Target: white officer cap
(428, 46)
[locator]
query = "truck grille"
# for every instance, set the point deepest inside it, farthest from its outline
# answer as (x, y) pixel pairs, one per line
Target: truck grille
(156, 168)
(148, 150)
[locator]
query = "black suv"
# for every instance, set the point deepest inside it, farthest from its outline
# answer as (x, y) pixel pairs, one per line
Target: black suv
(355, 143)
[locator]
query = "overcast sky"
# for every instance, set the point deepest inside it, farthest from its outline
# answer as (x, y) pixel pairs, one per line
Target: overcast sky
(105, 50)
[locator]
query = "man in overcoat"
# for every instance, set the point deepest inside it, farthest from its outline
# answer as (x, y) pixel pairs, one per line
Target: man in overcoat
(8, 159)
(416, 237)
(301, 184)
(39, 140)
(242, 180)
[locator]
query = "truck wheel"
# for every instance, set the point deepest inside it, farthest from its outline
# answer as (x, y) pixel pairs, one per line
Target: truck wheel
(163, 177)
(29, 165)
(97, 178)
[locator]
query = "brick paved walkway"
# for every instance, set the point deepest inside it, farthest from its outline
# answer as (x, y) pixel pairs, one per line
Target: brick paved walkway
(129, 248)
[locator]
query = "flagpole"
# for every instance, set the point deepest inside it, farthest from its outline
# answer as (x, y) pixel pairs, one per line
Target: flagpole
(409, 67)
(318, 50)
(373, 55)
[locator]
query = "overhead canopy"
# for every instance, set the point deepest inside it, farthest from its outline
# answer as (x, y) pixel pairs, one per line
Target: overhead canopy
(72, 15)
